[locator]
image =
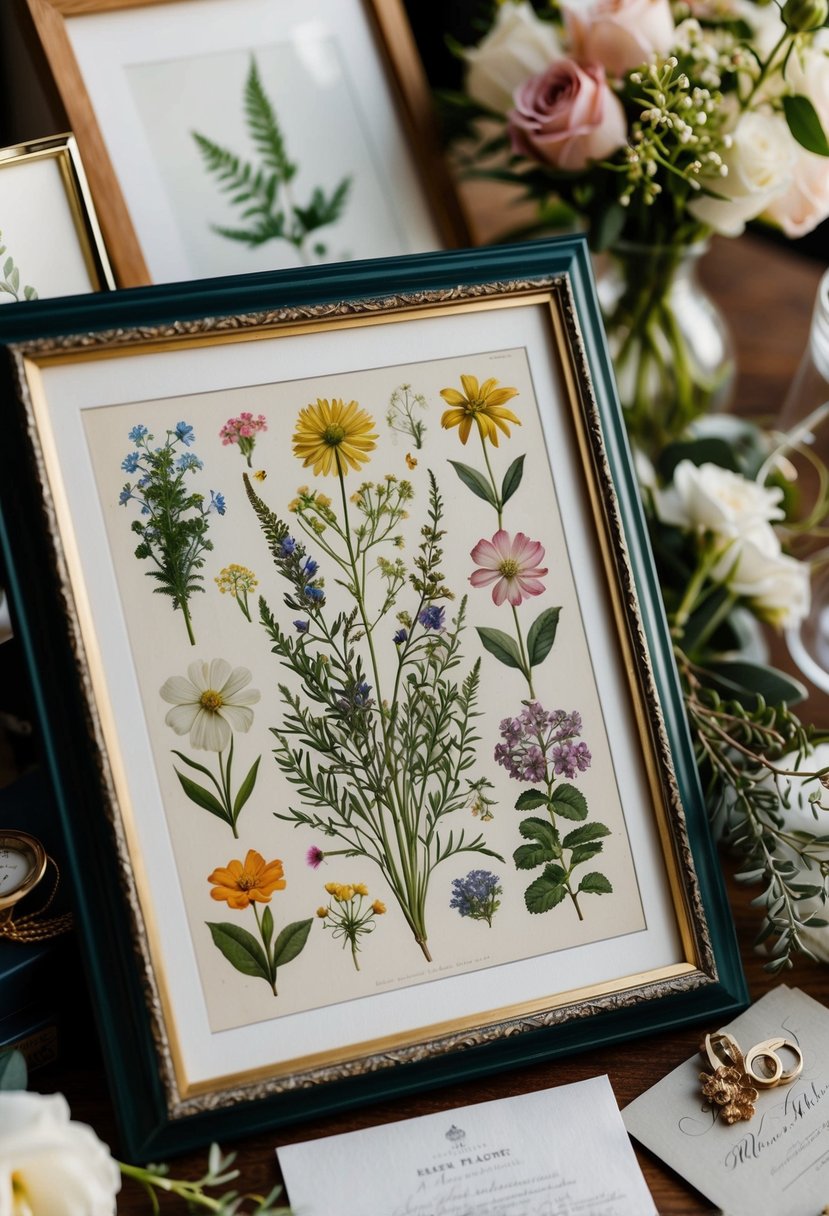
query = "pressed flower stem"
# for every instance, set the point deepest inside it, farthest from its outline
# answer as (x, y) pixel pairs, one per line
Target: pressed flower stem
(242, 601)
(225, 791)
(186, 614)
(271, 968)
(573, 895)
(499, 506)
(527, 670)
(406, 897)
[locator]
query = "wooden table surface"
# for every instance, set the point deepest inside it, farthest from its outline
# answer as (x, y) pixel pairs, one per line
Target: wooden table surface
(767, 294)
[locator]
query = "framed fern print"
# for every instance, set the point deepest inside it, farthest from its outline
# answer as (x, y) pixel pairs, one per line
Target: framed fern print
(50, 241)
(381, 715)
(231, 136)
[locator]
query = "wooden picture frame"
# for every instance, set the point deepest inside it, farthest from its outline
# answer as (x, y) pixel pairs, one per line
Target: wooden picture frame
(52, 244)
(399, 197)
(568, 638)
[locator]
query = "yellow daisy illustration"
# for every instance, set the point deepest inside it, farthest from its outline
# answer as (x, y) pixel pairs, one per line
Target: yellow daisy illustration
(482, 404)
(334, 437)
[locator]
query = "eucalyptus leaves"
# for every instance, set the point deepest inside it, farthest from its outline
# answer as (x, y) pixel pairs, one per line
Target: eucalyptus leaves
(10, 279)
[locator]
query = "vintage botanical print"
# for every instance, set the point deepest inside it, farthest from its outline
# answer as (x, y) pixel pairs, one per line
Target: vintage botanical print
(388, 761)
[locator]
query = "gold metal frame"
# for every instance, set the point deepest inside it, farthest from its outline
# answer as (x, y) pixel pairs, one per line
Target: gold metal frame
(395, 44)
(694, 969)
(64, 150)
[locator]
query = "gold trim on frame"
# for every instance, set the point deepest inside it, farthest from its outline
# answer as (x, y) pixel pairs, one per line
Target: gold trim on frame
(64, 150)
(395, 46)
(696, 968)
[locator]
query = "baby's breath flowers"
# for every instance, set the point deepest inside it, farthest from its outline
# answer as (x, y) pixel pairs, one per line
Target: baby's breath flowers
(238, 581)
(348, 914)
(403, 413)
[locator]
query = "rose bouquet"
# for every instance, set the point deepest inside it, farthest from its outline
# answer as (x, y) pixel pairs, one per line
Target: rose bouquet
(653, 125)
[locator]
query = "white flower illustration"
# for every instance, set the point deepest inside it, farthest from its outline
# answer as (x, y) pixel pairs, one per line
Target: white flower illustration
(210, 703)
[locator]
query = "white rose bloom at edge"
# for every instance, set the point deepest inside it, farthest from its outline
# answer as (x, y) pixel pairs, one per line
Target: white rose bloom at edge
(708, 498)
(517, 47)
(759, 167)
(50, 1166)
(777, 586)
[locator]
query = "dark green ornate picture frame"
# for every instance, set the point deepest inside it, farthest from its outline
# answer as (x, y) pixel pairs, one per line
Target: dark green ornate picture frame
(185, 1069)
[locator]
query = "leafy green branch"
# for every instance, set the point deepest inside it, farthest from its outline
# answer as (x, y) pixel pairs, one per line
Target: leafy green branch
(10, 282)
(263, 190)
(752, 759)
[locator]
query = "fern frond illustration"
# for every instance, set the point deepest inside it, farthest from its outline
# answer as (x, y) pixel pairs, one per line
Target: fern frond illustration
(10, 280)
(262, 191)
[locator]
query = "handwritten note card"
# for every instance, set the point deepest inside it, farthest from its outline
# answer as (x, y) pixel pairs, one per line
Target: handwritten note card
(559, 1152)
(776, 1164)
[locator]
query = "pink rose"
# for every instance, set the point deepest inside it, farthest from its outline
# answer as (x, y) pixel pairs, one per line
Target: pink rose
(806, 202)
(567, 116)
(619, 34)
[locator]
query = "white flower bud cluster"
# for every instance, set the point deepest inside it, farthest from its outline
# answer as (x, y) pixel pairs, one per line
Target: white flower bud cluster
(678, 130)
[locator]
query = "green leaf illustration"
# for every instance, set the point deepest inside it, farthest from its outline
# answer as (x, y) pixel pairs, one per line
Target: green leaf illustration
(267, 926)
(541, 830)
(474, 481)
(582, 835)
(290, 942)
(241, 949)
(530, 800)
(245, 789)
(805, 125)
(512, 479)
(546, 891)
(569, 802)
(542, 635)
(528, 856)
(501, 645)
(596, 884)
(583, 852)
(201, 796)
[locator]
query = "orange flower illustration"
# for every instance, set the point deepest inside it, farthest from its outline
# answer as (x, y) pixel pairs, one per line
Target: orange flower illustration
(240, 884)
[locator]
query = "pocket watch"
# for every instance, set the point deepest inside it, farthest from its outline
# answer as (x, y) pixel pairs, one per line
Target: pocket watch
(23, 865)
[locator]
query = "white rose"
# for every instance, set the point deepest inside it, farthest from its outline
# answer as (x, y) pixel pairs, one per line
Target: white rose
(619, 34)
(50, 1166)
(708, 498)
(806, 202)
(759, 167)
(807, 73)
(518, 46)
(755, 568)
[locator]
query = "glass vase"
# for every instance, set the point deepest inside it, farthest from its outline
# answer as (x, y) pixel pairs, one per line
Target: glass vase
(804, 424)
(671, 347)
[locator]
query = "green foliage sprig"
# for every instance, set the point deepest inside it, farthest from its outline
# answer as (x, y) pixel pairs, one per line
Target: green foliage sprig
(175, 535)
(752, 751)
(738, 750)
(402, 415)
(10, 282)
(263, 191)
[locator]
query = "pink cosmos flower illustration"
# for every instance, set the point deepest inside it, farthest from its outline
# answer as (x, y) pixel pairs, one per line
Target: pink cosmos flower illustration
(512, 564)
